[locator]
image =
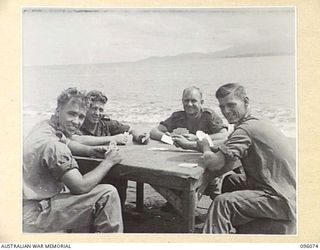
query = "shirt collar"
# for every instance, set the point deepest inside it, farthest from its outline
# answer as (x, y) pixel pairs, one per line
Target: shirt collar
(246, 117)
(55, 124)
(196, 117)
(84, 127)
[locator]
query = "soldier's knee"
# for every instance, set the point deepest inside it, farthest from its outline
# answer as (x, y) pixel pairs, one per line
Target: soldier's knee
(106, 190)
(219, 202)
(224, 201)
(105, 187)
(108, 193)
(222, 206)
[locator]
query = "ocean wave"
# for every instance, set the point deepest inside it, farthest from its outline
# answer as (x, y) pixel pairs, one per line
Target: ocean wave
(150, 116)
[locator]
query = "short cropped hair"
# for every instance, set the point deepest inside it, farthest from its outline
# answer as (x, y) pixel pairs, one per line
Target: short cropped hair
(229, 88)
(72, 93)
(192, 88)
(96, 96)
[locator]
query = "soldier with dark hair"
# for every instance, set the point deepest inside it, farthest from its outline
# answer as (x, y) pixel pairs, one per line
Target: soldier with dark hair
(100, 130)
(267, 189)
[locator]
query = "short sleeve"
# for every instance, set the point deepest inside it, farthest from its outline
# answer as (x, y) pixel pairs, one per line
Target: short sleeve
(215, 123)
(237, 145)
(58, 159)
(116, 127)
(176, 120)
(169, 124)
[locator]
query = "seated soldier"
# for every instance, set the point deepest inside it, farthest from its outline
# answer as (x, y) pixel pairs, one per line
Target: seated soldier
(193, 118)
(100, 130)
(267, 190)
(56, 196)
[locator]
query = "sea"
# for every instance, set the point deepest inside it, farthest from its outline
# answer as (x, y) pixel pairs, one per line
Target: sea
(144, 93)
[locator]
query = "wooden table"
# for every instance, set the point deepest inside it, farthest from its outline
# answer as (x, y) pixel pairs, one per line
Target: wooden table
(159, 165)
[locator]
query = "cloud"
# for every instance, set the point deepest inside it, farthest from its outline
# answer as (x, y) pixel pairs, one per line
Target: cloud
(115, 35)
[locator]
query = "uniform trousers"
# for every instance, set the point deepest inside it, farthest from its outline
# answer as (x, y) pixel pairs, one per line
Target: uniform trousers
(238, 205)
(96, 211)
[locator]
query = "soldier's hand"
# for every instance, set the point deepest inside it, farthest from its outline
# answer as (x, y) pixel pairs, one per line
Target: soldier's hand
(181, 141)
(121, 139)
(168, 134)
(190, 137)
(203, 145)
(113, 156)
(143, 138)
(98, 151)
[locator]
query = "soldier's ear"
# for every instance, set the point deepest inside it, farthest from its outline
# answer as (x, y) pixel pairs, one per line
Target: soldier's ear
(246, 101)
(58, 109)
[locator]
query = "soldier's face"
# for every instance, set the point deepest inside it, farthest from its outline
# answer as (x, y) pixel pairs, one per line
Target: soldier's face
(192, 102)
(233, 108)
(95, 112)
(71, 116)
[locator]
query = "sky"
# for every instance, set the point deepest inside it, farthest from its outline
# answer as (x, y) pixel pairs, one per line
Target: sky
(83, 36)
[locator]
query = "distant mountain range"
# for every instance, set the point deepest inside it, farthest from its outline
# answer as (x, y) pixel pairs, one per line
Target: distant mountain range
(249, 50)
(267, 48)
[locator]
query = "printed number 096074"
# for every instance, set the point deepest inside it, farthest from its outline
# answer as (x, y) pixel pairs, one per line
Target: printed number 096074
(308, 245)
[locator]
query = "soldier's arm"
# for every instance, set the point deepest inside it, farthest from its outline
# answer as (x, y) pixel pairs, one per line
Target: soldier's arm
(221, 135)
(157, 132)
(80, 184)
(92, 140)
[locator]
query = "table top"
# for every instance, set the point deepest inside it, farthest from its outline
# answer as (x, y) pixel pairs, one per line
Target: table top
(157, 159)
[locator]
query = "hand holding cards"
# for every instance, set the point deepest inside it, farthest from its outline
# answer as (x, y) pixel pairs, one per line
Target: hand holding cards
(180, 131)
(201, 135)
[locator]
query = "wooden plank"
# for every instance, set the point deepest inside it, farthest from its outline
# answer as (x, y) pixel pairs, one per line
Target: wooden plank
(189, 207)
(139, 196)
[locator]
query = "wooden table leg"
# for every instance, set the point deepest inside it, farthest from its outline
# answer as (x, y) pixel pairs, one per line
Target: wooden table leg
(139, 196)
(189, 207)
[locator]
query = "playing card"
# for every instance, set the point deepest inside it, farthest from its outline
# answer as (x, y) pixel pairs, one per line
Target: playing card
(167, 139)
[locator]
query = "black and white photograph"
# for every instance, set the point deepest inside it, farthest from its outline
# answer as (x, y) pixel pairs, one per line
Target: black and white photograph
(159, 120)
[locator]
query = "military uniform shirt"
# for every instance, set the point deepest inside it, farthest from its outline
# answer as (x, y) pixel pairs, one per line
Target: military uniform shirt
(266, 156)
(208, 122)
(106, 127)
(46, 157)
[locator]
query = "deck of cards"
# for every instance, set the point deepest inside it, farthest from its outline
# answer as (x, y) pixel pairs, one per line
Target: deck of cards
(180, 131)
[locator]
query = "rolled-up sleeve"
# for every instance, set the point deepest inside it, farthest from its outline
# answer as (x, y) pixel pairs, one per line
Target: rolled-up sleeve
(237, 145)
(58, 159)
